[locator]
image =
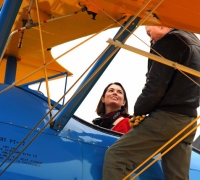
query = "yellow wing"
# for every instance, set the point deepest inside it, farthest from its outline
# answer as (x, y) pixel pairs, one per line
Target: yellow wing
(182, 14)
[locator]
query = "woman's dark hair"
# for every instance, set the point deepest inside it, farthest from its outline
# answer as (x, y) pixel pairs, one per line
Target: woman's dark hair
(101, 106)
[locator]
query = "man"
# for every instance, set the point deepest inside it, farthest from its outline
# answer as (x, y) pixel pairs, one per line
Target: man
(169, 99)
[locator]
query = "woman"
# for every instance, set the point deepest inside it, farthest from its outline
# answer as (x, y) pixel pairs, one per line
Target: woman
(113, 109)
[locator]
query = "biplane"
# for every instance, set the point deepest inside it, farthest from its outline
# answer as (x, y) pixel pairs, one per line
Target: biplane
(41, 138)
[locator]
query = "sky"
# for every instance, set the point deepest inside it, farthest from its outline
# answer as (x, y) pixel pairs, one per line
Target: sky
(127, 68)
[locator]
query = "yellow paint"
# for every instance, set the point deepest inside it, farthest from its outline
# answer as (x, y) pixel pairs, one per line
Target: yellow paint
(173, 13)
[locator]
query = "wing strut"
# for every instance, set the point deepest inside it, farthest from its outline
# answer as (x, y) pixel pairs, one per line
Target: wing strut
(7, 17)
(95, 73)
(155, 57)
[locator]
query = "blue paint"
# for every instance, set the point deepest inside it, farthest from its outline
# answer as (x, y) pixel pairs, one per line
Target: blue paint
(76, 152)
(11, 68)
(8, 14)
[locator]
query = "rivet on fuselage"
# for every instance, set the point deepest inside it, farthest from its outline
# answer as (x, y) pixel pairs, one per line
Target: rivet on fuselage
(59, 126)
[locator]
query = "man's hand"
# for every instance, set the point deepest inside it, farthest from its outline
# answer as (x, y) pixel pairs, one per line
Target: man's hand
(135, 120)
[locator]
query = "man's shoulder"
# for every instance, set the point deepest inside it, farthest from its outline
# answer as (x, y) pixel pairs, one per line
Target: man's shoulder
(185, 36)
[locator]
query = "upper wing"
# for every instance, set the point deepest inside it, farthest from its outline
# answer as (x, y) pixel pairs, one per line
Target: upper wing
(182, 14)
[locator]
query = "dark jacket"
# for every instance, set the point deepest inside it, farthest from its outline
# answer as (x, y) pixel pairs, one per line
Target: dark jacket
(167, 88)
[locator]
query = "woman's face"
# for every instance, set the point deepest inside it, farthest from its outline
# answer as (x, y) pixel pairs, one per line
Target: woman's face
(114, 98)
